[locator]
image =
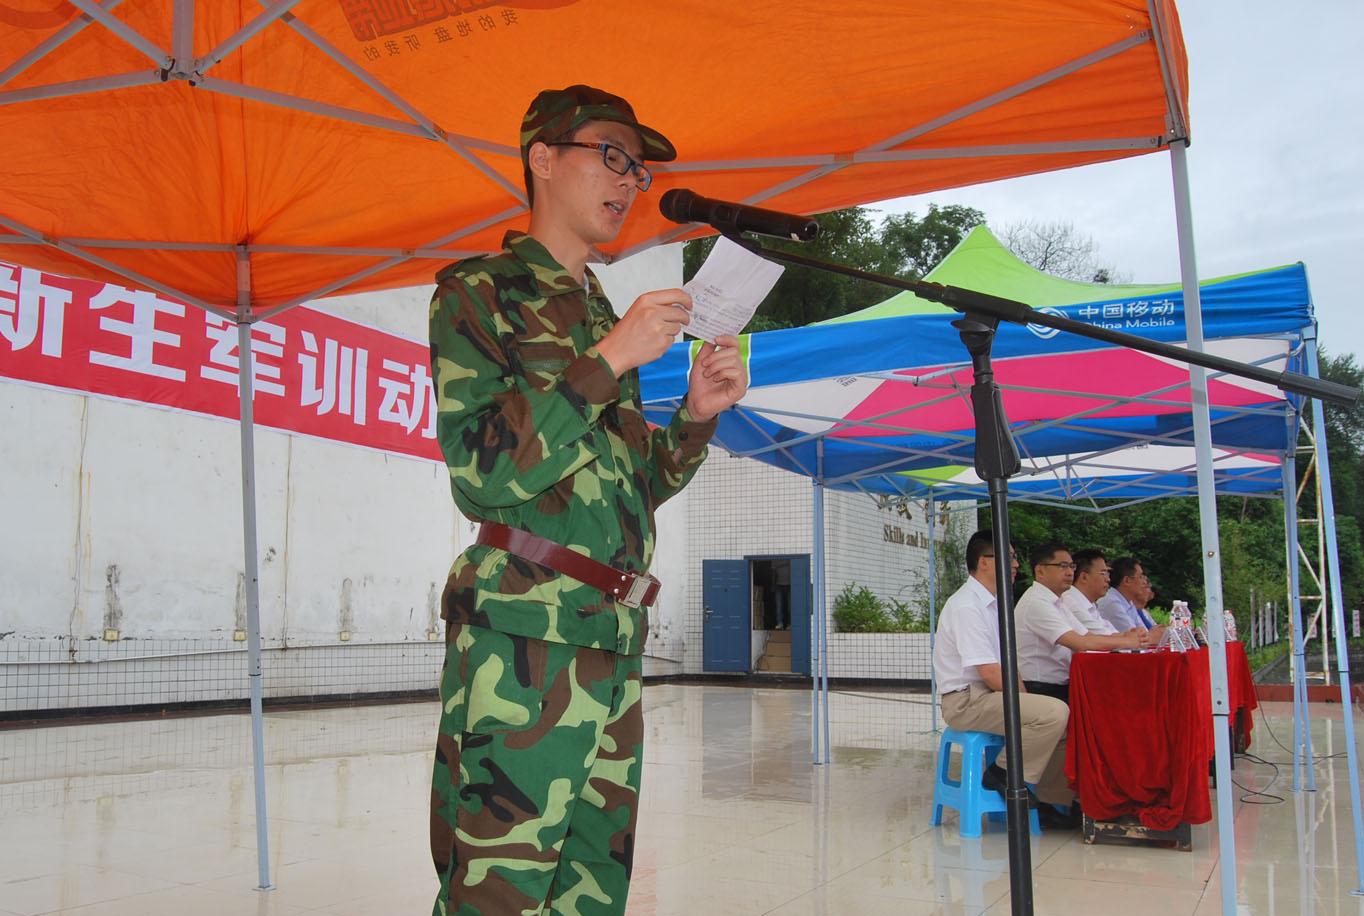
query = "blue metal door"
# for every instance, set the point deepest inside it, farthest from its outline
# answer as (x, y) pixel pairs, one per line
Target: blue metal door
(726, 631)
(800, 615)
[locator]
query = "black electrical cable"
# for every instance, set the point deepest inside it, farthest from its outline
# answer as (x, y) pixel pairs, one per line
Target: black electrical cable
(1252, 796)
(1264, 723)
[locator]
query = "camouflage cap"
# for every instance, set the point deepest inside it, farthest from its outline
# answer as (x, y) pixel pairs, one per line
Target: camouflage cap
(557, 112)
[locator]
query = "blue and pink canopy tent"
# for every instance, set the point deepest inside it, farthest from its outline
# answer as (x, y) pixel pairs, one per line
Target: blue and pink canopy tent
(878, 401)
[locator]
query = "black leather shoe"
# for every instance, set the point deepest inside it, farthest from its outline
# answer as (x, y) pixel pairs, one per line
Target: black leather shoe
(1051, 819)
(995, 779)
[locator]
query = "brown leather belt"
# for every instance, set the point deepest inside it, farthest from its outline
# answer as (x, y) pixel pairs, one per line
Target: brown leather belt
(630, 589)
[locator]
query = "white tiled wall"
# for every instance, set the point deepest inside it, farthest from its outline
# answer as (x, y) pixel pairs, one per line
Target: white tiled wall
(739, 508)
(862, 551)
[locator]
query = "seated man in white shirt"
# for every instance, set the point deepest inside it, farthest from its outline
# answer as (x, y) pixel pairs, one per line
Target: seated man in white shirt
(1048, 633)
(1128, 583)
(1091, 583)
(969, 675)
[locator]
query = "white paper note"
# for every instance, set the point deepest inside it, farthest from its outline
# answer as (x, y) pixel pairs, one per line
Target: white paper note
(727, 289)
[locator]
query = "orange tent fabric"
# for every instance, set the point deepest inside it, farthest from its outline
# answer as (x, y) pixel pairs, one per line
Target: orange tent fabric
(330, 146)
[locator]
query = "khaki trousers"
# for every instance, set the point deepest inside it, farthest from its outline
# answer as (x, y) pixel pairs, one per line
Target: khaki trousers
(980, 709)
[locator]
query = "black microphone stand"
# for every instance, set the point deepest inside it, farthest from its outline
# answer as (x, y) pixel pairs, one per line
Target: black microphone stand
(996, 460)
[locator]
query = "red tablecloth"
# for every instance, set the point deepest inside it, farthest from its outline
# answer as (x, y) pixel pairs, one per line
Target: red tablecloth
(1140, 733)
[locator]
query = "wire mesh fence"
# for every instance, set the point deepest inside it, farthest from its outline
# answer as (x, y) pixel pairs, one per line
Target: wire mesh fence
(61, 675)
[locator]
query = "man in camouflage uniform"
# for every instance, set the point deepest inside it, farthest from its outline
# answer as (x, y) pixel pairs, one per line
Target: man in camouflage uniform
(538, 757)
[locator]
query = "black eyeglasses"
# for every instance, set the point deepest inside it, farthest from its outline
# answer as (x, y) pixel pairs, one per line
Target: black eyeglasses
(615, 159)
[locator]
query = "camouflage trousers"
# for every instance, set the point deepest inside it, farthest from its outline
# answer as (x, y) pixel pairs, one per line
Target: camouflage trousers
(535, 786)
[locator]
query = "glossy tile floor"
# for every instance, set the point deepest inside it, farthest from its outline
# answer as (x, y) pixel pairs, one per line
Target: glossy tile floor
(156, 817)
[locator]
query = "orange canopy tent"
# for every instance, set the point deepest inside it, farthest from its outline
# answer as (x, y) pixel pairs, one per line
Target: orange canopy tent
(312, 147)
(246, 156)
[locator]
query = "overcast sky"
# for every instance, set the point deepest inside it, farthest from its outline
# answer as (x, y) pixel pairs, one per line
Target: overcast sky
(1276, 115)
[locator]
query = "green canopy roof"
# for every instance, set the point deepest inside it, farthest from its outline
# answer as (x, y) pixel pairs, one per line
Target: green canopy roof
(982, 263)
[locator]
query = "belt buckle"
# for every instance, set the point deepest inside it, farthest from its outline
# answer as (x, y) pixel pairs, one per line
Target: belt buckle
(644, 589)
(638, 590)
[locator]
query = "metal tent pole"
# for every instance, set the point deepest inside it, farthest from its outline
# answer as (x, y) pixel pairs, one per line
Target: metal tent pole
(1207, 514)
(1324, 605)
(932, 611)
(820, 599)
(245, 382)
(1302, 739)
(1328, 519)
(816, 615)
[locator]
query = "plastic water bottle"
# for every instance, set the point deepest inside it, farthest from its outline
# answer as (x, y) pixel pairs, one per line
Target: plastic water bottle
(1181, 627)
(1179, 614)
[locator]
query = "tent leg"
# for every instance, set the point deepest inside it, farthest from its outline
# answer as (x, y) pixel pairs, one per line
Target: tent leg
(1302, 753)
(1207, 513)
(819, 606)
(249, 550)
(1328, 519)
(816, 612)
(932, 611)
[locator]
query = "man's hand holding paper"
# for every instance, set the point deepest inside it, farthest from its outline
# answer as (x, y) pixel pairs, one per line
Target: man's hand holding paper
(718, 378)
(727, 290)
(649, 327)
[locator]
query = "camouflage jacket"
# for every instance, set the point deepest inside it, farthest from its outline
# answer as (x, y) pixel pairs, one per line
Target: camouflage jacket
(538, 434)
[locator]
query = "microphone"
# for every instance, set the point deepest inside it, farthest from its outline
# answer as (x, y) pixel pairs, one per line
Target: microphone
(683, 206)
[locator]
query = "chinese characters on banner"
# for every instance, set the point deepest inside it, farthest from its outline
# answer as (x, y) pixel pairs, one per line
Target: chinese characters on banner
(393, 28)
(312, 373)
(1137, 314)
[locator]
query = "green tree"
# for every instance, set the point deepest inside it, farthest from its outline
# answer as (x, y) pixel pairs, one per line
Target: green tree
(1251, 536)
(915, 246)
(1345, 451)
(1351, 560)
(1165, 536)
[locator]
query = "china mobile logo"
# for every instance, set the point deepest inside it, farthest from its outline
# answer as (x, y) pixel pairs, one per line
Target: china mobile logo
(1043, 331)
(370, 19)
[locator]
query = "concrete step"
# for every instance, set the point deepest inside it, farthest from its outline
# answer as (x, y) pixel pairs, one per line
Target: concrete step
(768, 663)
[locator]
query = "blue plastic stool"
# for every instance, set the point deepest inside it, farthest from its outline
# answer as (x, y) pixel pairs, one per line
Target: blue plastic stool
(969, 797)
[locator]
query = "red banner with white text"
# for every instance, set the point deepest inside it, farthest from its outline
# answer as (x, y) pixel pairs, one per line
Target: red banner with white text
(312, 372)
